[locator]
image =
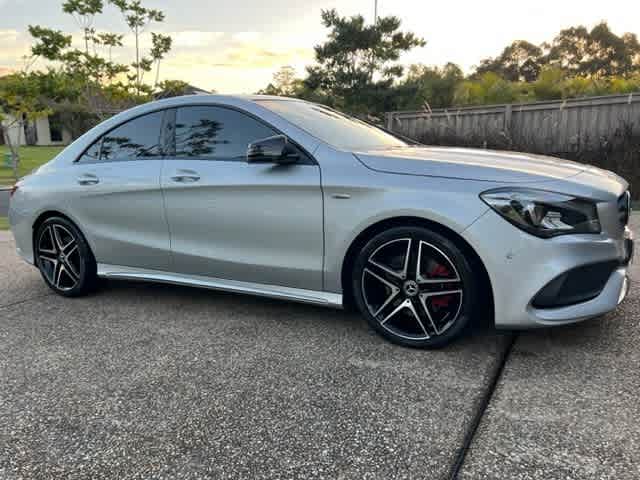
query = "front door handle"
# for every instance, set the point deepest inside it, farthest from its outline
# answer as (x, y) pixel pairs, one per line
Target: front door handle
(186, 176)
(88, 179)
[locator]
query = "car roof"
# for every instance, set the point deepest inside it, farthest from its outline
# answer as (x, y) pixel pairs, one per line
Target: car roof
(221, 98)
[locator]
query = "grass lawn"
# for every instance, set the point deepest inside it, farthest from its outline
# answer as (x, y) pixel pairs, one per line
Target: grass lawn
(4, 223)
(30, 158)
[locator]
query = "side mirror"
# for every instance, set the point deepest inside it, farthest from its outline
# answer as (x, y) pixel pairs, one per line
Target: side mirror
(276, 149)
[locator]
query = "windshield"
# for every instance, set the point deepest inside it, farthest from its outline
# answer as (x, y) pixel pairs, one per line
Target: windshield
(332, 127)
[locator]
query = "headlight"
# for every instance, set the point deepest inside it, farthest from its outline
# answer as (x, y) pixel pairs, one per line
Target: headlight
(544, 214)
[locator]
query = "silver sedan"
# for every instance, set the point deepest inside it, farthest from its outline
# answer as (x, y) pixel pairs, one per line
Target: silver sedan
(292, 200)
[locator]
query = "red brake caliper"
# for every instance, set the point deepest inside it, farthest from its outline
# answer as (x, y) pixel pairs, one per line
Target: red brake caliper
(441, 302)
(439, 271)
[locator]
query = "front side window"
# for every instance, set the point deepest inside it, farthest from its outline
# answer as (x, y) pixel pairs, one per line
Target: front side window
(134, 140)
(215, 133)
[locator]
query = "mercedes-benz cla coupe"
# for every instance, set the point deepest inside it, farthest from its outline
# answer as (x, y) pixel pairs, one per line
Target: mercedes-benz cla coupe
(292, 200)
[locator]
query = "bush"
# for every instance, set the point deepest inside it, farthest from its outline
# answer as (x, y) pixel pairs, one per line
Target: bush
(488, 89)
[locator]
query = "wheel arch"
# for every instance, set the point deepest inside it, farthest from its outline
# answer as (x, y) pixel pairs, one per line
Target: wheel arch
(50, 213)
(409, 221)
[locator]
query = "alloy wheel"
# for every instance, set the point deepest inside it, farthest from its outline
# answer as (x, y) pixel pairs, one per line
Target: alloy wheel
(59, 257)
(412, 289)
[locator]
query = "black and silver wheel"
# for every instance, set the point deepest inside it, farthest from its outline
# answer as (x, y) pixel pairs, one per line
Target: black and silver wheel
(414, 286)
(64, 258)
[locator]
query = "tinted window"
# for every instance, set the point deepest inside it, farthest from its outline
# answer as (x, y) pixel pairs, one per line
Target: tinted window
(92, 153)
(138, 138)
(216, 133)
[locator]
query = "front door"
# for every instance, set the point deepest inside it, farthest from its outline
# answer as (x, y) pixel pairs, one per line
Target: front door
(258, 223)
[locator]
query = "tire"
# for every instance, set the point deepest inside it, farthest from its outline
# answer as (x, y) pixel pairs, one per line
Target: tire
(64, 258)
(427, 307)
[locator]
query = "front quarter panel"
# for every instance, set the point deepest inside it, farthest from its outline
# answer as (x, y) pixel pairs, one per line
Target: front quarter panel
(356, 198)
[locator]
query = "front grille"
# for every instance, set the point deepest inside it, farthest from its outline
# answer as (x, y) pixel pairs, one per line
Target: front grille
(624, 208)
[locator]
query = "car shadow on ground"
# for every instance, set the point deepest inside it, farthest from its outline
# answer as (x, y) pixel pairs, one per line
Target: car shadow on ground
(269, 310)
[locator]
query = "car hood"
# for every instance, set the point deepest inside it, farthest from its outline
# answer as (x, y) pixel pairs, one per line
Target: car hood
(471, 164)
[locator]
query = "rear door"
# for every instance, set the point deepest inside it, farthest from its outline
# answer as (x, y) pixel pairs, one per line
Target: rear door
(258, 223)
(116, 195)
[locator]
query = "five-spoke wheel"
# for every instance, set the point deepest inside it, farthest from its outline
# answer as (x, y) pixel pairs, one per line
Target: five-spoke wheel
(64, 258)
(414, 286)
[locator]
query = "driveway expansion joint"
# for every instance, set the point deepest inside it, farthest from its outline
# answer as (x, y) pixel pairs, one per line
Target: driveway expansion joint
(482, 406)
(25, 300)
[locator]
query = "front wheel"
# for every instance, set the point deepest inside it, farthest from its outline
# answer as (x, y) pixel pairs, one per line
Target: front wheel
(415, 287)
(64, 258)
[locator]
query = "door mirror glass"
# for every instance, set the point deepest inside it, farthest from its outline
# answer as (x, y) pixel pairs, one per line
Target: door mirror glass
(276, 149)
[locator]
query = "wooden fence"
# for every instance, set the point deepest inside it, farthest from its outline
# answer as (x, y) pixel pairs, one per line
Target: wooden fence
(604, 131)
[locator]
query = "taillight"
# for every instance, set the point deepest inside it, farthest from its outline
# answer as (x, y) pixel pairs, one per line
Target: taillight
(13, 190)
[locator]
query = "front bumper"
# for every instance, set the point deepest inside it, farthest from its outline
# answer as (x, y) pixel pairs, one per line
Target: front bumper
(521, 265)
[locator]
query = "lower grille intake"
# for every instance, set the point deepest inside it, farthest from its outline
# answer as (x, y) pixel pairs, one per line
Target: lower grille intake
(575, 286)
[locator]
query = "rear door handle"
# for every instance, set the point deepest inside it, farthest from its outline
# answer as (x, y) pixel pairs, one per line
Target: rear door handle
(88, 179)
(186, 176)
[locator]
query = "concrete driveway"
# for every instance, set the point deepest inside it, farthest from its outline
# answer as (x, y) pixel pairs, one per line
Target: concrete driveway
(150, 381)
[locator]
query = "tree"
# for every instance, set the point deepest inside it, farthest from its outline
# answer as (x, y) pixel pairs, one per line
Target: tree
(596, 53)
(172, 88)
(20, 103)
(356, 65)
(84, 12)
(49, 44)
(284, 84)
(110, 41)
(161, 45)
(90, 70)
(104, 88)
(432, 86)
(137, 19)
(519, 62)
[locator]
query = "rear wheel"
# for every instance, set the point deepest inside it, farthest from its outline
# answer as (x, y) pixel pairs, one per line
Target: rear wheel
(415, 287)
(64, 258)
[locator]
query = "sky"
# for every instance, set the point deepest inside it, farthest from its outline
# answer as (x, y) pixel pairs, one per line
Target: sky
(236, 46)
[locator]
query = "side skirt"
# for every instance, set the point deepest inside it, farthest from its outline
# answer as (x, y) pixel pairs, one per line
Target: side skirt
(326, 299)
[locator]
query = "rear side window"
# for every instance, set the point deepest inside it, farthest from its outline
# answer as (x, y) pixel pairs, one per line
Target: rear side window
(92, 154)
(134, 140)
(215, 133)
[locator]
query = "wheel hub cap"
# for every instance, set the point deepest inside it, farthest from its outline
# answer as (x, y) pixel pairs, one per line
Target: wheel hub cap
(410, 288)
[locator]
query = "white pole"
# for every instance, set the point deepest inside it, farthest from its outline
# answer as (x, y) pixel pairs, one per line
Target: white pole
(375, 12)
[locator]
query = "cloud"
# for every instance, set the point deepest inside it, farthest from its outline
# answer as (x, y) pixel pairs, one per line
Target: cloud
(255, 56)
(228, 62)
(13, 46)
(244, 37)
(181, 39)
(9, 35)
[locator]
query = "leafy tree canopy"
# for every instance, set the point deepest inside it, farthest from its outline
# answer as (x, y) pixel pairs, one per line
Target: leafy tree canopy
(357, 62)
(598, 52)
(520, 61)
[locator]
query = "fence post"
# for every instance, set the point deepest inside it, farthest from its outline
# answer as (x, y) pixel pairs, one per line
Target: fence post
(388, 121)
(508, 109)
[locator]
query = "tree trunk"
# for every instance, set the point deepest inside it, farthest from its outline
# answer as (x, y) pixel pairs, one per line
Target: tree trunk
(137, 62)
(15, 158)
(157, 74)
